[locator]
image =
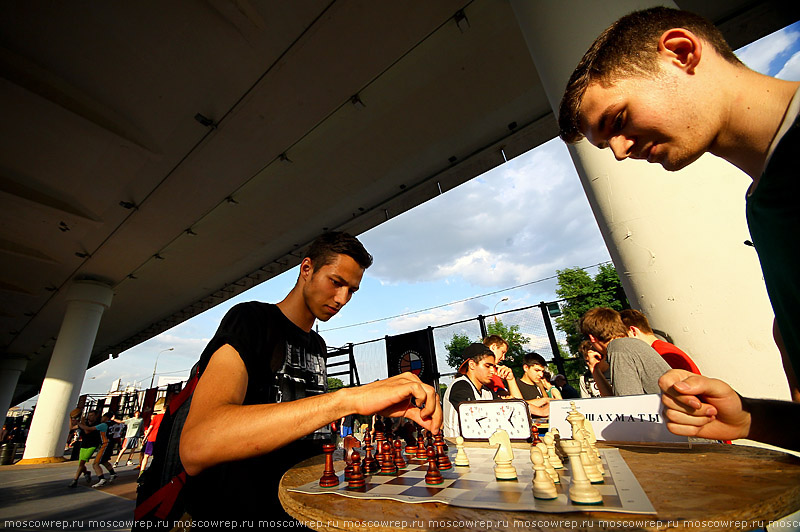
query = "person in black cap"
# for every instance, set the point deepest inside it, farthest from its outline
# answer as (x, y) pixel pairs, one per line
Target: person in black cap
(476, 370)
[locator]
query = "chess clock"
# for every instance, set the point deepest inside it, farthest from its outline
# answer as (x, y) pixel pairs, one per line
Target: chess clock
(478, 420)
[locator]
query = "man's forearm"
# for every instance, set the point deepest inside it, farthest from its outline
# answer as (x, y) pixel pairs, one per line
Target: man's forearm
(235, 432)
(603, 386)
(513, 388)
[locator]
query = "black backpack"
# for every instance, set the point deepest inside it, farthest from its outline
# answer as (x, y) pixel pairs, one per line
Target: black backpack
(159, 498)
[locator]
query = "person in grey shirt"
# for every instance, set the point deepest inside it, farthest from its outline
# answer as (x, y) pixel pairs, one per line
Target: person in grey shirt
(621, 365)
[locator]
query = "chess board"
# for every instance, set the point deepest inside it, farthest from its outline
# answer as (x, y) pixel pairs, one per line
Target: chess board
(476, 487)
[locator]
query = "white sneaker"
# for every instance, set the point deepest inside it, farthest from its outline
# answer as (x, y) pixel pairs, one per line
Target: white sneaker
(112, 478)
(102, 482)
(130, 462)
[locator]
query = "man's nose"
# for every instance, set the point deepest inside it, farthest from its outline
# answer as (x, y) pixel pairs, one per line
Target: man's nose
(342, 296)
(621, 146)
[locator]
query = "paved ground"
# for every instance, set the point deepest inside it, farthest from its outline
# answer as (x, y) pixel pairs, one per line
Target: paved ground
(36, 498)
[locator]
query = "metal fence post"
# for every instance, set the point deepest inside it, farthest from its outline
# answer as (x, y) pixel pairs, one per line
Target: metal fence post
(552, 336)
(482, 325)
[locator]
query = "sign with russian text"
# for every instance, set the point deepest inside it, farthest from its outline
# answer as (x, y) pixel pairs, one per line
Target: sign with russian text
(630, 418)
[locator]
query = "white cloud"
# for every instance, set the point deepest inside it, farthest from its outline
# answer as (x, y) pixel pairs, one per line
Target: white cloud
(760, 54)
(791, 69)
(515, 224)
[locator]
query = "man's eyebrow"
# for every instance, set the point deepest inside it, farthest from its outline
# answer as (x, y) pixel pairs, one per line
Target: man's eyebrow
(607, 112)
(342, 280)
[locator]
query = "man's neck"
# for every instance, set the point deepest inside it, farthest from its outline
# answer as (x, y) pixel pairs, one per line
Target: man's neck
(756, 106)
(295, 309)
(526, 380)
(475, 382)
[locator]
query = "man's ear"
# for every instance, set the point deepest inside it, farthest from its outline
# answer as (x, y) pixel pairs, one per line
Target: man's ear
(306, 269)
(682, 48)
(633, 332)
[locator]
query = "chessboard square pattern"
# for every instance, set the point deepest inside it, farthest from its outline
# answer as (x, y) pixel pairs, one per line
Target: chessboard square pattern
(476, 487)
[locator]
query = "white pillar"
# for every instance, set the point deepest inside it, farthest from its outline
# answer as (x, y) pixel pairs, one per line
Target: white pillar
(676, 238)
(86, 302)
(10, 370)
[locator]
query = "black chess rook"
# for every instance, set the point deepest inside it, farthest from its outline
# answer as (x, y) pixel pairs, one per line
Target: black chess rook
(329, 478)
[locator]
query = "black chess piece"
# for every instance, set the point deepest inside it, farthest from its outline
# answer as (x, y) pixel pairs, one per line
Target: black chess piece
(398, 455)
(356, 480)
(387, 465)
(433, 476)
(329, 478)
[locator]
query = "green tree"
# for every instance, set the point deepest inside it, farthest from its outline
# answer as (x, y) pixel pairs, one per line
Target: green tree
(334, 384)
(583, 292)
(455, 348)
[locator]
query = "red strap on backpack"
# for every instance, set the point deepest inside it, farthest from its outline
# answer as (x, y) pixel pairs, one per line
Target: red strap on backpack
(163, 500)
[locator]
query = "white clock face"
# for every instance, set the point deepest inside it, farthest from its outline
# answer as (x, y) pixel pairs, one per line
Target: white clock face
(478, 420)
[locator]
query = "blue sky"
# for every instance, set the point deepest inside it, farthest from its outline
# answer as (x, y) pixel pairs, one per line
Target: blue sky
(516, 224)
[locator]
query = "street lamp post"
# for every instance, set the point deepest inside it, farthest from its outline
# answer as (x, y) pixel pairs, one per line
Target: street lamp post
(494, 310)
(155, 366)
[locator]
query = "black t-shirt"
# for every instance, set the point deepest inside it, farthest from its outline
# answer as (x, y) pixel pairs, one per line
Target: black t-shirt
(283, 363)
(529, 391)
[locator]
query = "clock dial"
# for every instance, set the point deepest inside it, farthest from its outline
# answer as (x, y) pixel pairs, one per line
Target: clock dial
(478, 420)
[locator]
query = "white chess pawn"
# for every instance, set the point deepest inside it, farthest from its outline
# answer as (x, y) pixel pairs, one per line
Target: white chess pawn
(581, 490)
(552, 455)
(543, 486)
(589, 465)
(461, 456)
(547, 465)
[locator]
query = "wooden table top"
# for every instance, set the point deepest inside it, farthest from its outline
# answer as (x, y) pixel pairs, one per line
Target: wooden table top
(706, 487)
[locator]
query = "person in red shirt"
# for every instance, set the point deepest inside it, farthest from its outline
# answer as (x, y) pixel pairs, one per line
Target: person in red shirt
(639, 327)
(151, 433)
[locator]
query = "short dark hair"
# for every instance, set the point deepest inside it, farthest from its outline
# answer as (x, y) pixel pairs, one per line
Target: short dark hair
(634, 318)
(603, 323)
(532, 358)
(629, 47)
(324, 249)
(475, 352)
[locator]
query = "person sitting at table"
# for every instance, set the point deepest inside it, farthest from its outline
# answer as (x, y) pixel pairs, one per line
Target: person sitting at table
(639, 327)
(476, 371)
(260, 405)
(588, 385)
(547, 386)
(633, 367)
(567, 391)
(533, 368)
(503, 382)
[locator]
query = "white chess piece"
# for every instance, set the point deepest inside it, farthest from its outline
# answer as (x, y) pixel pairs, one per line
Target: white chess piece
(581, 490)
(547, 465)
(543, 486)
(552, 455)
(594, 452)
(588, 459)
(575, 419)
(504, 469)
(461, 456)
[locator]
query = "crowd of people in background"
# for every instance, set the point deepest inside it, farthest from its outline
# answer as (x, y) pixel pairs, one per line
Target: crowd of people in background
(95, 439)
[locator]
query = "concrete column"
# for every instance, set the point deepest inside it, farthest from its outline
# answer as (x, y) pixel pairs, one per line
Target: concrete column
(86, 302)
(676, 238)
(10, 370)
